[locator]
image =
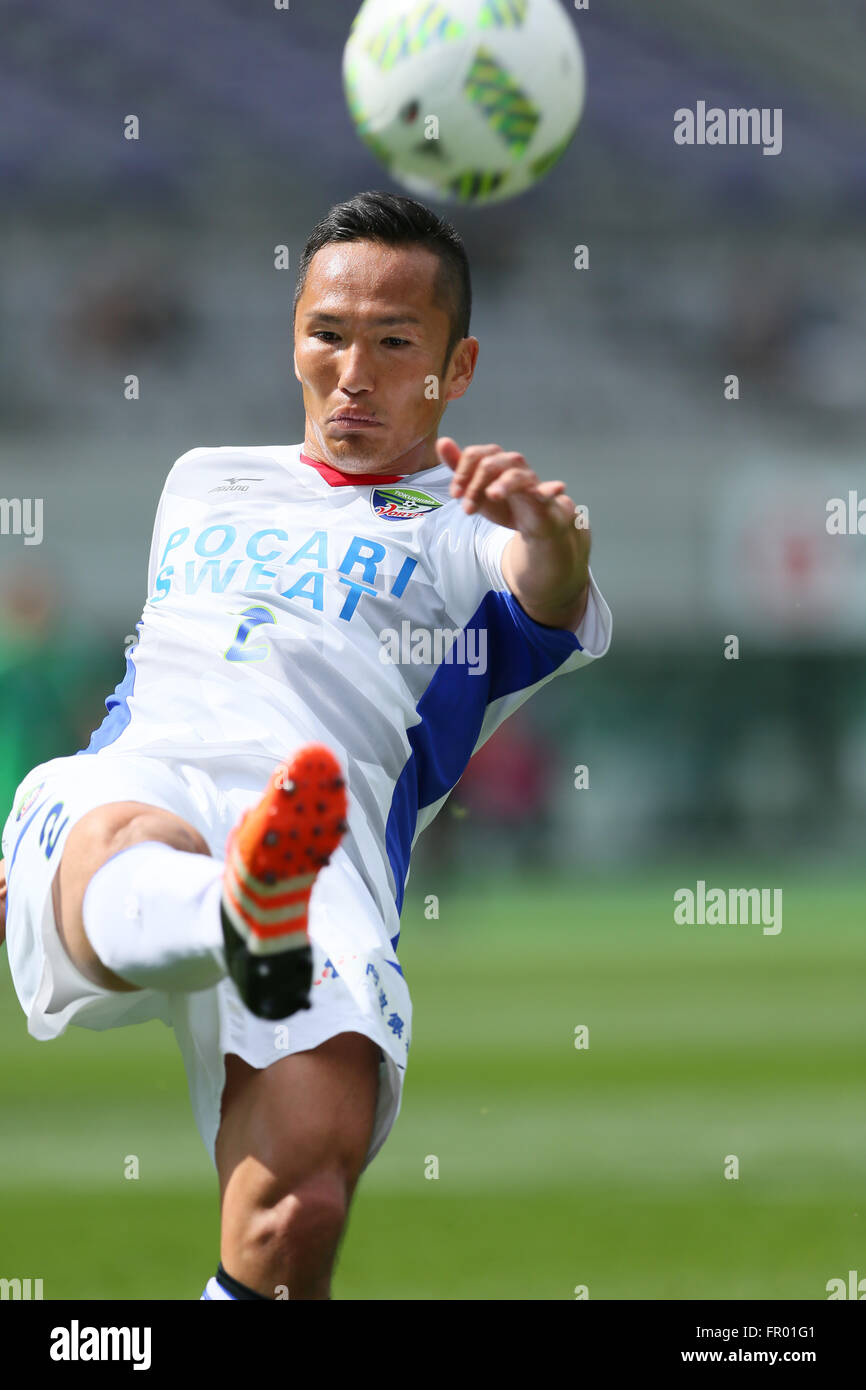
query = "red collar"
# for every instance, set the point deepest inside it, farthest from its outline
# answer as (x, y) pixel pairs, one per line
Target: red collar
(335, 478)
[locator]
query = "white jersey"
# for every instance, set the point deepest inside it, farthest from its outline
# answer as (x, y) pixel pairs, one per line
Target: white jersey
(289, 603)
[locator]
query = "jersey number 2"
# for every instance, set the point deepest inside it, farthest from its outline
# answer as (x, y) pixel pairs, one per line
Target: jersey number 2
(241, 649)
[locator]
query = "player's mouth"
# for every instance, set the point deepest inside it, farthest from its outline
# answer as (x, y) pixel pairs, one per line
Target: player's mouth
(347, 420)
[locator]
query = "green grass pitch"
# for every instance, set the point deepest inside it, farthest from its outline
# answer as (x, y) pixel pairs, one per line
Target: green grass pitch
(558, 1166)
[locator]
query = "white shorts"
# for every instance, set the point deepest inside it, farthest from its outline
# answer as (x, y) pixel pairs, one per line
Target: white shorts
(358, 984)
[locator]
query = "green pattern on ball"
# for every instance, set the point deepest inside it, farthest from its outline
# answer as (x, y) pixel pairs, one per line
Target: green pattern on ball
(411, 33)
(474, 184)
(505, 106)
(503, 14)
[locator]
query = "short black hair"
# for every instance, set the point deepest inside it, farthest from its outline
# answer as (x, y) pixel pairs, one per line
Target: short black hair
(395, 220)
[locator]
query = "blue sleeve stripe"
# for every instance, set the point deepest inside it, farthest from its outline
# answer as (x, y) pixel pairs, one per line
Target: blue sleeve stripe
(520, 653)
(117, 704)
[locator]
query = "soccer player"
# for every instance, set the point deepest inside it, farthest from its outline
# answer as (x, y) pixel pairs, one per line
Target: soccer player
(331, 630)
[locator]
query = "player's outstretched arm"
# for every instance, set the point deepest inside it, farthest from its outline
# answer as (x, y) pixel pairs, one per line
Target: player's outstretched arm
(546, 565)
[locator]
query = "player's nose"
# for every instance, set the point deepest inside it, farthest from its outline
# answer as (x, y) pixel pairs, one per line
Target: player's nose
(356, 370)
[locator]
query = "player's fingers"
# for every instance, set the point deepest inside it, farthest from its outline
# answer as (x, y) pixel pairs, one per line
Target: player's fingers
(468, 464)
(448, 450)
(490, 468)
(549, 490)
(514, 479)
(469, 461)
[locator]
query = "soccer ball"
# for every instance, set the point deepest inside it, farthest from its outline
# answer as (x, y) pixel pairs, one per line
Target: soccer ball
(467, 100)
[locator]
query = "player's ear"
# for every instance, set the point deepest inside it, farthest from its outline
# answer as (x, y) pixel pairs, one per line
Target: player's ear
(462, 368)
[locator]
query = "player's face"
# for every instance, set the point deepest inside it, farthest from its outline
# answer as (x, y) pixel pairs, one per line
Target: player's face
(370, 342)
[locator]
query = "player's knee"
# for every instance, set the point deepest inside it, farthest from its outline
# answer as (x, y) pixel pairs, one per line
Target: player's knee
(107, 830)
(310, 1217)
(162, 826)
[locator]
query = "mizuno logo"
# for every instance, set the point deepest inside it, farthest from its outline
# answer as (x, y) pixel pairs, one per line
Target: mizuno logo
(234, 485)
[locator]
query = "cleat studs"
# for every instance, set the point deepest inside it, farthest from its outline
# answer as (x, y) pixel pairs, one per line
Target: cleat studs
(321, 807)
(342, 826)
(271, 838)
(269, 878)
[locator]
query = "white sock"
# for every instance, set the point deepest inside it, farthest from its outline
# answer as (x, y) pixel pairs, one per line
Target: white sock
(152, 915)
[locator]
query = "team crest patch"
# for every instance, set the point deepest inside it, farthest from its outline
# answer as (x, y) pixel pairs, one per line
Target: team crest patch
(401, 503)
(28, 799)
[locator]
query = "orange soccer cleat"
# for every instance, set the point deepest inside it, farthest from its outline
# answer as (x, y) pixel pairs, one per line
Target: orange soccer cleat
(273, 859)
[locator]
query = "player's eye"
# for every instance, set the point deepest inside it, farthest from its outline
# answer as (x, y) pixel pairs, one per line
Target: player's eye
(396, 342)
(326, 334)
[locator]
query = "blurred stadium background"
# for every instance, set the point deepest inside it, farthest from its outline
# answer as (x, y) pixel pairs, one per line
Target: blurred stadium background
(155, 257)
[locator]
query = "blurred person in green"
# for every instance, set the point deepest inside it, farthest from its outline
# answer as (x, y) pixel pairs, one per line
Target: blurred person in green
(51, 679)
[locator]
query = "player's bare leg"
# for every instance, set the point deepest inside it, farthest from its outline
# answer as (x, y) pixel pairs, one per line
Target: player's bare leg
(290, 1149)
(96, 838)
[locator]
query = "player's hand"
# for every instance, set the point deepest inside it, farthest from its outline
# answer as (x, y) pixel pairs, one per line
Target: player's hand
(505, 490)
(546, 564)
(2, 901)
